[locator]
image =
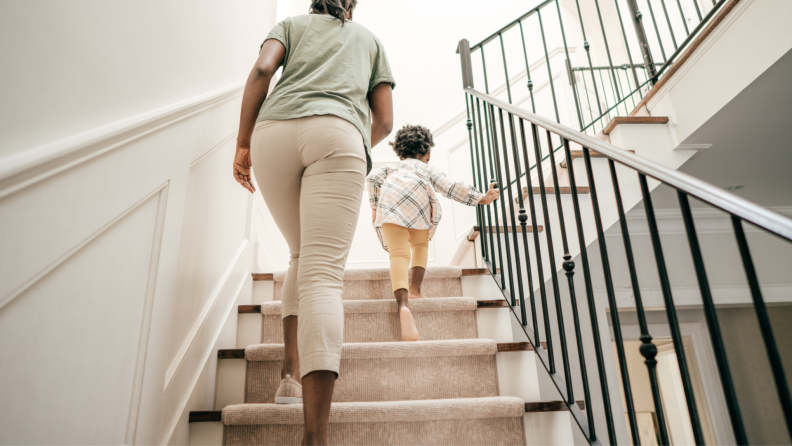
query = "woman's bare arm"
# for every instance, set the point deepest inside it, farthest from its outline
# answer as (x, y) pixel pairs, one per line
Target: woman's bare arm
(381, 104)
(258, 83)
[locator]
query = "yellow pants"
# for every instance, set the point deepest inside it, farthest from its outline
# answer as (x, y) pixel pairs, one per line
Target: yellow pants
(400, 242)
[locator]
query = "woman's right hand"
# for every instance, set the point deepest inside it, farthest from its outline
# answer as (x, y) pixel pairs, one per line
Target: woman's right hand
(492, 194)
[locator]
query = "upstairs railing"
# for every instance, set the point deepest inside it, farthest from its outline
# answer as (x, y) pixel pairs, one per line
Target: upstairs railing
(625, 54)
(504, 139)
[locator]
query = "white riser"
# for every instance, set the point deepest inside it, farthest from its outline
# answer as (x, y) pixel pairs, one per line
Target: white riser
(206, 433)
(548, 428)
(263, 291)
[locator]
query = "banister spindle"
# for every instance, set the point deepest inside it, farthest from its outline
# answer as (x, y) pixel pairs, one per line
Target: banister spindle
(535, 231)
(498, 175)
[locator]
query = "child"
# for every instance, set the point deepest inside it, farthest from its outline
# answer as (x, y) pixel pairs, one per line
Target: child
(405, 213)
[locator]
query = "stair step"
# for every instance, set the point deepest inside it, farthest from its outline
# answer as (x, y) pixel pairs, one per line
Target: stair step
(239, 353)
(390, 371)
(378, 320)
(634, 120)
(579, 154)
(564, 190)
(464, 421)
(375, 283)
(474, 233)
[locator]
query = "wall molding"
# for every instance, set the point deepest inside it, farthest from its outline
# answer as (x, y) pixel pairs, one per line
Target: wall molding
(31, 166)
(670, 222)
(5, 300)
(174, 366)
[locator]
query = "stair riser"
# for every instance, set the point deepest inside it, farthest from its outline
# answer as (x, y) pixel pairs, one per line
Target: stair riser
(490, 431)
(391, 379)
(385, 327)
(381, 289)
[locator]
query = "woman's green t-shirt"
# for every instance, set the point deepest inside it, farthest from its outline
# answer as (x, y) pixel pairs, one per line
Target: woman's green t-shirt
(328, 69)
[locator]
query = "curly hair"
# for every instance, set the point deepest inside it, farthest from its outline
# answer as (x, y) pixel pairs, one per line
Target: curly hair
(340, 9)
(412, 141)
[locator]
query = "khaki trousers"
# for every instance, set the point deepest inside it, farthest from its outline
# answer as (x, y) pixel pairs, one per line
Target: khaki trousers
(401, 242)
(311, 173)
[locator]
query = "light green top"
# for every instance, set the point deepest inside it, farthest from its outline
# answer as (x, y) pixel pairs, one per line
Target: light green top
(328, 69)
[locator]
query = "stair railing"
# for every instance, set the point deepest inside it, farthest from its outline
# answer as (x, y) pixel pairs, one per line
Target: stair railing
(637, 53)
(503, 139)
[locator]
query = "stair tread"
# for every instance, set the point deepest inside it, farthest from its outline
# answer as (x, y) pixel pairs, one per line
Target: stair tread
(634, 120)
(389, 306)
(374, 412)
(368, 350)
(386, 306)
(274, 352)
(474, 233)
(432, 272)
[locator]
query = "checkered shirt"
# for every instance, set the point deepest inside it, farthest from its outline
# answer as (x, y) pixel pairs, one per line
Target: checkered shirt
(404, 195)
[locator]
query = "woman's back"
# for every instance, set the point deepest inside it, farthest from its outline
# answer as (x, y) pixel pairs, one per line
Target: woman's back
(328, 69)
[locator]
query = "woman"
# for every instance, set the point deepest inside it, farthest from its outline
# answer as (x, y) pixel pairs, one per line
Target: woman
(308, 144)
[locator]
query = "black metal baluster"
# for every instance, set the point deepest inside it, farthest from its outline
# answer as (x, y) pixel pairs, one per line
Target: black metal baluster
(673, 323)
(568, 265)
(588, 101)
(484, 69)
(764, 323)
(595, 332)
(670, 28)
(587, 47)
(569, 62)
(643, 43)
(684, 19)
(489, 119)
(698, 10)
(612, 300)
(549, 71)
(657, 30)
(607, 48)
(551, 254)
(498, 171)
(476, 165)
(527, 70)
(538, 249)
(535, 230)
(626, 44)
(511, 212)
(484, 158)
(505, 69)
(648, 349)
(712, 323)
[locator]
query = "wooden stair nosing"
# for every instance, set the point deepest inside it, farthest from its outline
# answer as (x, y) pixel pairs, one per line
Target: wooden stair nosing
(256, 309)
(564, 190)
(551, 406)
(634, 120)
(239, 353)
(200, 416)
(575, 154)
(465, 272)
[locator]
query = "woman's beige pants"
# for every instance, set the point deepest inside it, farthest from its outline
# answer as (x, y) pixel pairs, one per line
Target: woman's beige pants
(311, 172)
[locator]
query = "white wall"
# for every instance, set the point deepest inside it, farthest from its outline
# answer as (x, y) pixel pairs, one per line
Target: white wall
(124, 240)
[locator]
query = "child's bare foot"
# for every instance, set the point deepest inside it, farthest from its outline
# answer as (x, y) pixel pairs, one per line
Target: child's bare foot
(409, 332)
(416, 295)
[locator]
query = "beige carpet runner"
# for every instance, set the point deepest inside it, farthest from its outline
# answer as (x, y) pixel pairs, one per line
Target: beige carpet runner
(442, 390)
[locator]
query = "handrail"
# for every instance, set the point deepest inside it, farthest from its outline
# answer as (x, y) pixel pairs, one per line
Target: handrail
(727, 201)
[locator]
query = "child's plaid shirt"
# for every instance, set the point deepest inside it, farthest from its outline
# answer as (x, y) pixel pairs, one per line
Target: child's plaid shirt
(404, 195)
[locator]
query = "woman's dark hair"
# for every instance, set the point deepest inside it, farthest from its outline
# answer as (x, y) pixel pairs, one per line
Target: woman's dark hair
(412, 141)
(340, 9)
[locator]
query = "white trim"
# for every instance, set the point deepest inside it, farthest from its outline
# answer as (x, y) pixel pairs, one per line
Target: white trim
(202, 318)
(145, 326)
(49, 159)
(669, 221)
(693, 147)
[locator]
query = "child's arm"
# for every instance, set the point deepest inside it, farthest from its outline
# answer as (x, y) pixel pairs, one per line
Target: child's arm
(455, 190)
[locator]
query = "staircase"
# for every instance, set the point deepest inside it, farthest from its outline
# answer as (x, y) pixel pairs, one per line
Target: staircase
(447, 388)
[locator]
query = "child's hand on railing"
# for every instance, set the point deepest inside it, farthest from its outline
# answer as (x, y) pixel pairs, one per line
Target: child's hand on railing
(491, 195)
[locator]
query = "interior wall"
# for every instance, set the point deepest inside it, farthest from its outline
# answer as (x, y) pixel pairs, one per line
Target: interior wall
(123, 238)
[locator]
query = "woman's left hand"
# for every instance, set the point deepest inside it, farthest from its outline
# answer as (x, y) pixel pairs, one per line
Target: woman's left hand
(242, 167)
